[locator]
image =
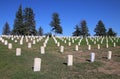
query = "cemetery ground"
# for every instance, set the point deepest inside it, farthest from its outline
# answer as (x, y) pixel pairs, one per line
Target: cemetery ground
(54, 63)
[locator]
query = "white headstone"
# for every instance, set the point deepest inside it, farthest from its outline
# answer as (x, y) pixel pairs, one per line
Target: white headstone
(18, 51)
(6, 42)
(2, 40)
(79, 43)
(34, 42)
(92, 59)
(69, 44)
(12, 38)
(21, 42)
(70, 60)
(102, 40)
(94, 42)
(42, 50)
(109, 54)
(31, 39)
(10, 46)
(61, 49)
(98, 46)
(44, 44)
(37, 64)
(114, 44)
(29, 45)
(37, 40)
(69, 39)
(107, 45)
(76, 47)
(73, 41)
(15, 41)
(87, 43)
(65, 41)
(89, 47)
(26, 39)
(58, 44)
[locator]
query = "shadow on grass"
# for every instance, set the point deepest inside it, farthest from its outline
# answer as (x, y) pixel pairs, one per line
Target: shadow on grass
(65, 64)
(32, 68)
(104, 57)
(117, 55)
(88, 60)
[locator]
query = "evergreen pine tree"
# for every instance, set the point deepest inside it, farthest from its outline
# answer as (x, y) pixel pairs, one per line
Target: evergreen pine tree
(111, 32)
(100, 29)
(6, 29)
(40, 31)
(29, 22)
(84, 28)
(55, 24)
(18, 23)
(77, 31)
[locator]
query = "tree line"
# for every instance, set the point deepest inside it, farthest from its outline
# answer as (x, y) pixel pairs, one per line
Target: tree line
(24, 24)
(100, 30)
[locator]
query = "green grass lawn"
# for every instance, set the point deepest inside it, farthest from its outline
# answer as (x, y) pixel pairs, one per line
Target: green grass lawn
(54, 63)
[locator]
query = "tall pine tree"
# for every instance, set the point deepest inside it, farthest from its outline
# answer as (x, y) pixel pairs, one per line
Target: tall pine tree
(6, 29)
(18, 23)
(100, 29)
(55, 24)
(24, 23)
(40, 31)
(84, 28)
(111, 32)
(77, 31)
(29, 22)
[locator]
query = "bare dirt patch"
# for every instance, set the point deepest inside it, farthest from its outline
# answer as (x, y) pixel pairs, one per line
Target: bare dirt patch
(110, 67)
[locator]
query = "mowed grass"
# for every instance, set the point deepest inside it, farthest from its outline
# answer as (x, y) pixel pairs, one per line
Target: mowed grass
(54, 63)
